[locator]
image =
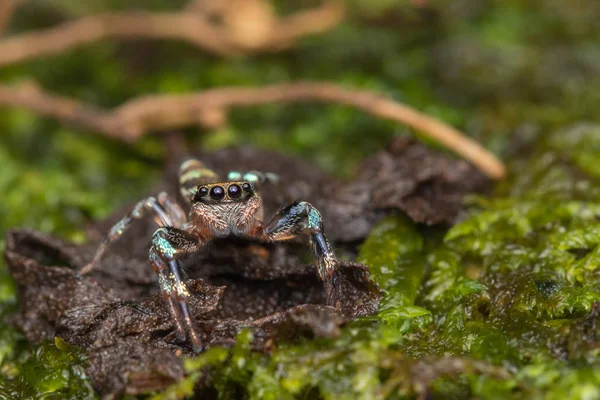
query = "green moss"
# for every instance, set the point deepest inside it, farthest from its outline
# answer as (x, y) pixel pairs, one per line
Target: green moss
(52, 371)
(393, 253)
(580, 144)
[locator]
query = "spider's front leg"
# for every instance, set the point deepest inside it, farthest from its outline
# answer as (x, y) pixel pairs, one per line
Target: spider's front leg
(168, 246)
(301, 218)
(162, 208)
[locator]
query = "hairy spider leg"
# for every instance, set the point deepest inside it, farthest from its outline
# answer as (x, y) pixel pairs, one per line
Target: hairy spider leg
(167, 288)
(174, 210)
(255, 177)
(168, 215)
(168, 245)
(164, 211)
(300, 218)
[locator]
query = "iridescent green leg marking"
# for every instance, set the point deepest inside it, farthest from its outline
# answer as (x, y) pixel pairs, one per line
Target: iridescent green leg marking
(302, 218)
(168, 245)
(255, 177)
(168, 290)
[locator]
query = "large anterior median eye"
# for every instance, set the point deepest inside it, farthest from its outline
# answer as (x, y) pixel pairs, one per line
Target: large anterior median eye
(234, 191)
(217, 193)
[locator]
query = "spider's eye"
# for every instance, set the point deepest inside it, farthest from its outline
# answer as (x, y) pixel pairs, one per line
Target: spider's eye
(203, 191)
(217, 193)
(234, 191)
(246, 186)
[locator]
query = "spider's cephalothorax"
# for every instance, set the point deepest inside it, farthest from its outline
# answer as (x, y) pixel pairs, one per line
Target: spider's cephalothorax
(217, 209)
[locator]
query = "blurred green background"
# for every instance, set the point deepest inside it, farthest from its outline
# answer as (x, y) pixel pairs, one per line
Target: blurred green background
(511, 290)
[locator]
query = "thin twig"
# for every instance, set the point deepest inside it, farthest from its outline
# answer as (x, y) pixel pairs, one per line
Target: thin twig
(66, 110)
(183, 26)
(166, 112)
(312, 21)
(187, 26)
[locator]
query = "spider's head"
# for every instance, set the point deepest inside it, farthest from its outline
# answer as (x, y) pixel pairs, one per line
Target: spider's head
(224, 192)
(226, 208)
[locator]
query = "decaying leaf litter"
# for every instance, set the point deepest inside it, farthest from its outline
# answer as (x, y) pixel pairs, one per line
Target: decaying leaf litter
(271, 289)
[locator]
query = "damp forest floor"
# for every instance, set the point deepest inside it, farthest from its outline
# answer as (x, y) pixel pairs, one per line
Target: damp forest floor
(502, 303)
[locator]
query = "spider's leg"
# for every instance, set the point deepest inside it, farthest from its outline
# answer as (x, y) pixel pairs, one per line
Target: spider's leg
(168, 245)
(174, 210)
(167, 289)
(257, 178)
(150, 206)
(302, 218)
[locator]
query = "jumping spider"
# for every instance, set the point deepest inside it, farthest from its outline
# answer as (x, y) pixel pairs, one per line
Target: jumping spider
(217, 209)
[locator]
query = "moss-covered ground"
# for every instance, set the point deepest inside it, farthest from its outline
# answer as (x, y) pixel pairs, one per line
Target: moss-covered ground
(506, 304)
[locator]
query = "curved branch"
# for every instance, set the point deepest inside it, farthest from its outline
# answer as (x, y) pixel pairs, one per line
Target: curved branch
(164, 112)
(183, 26)
(187, 26)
